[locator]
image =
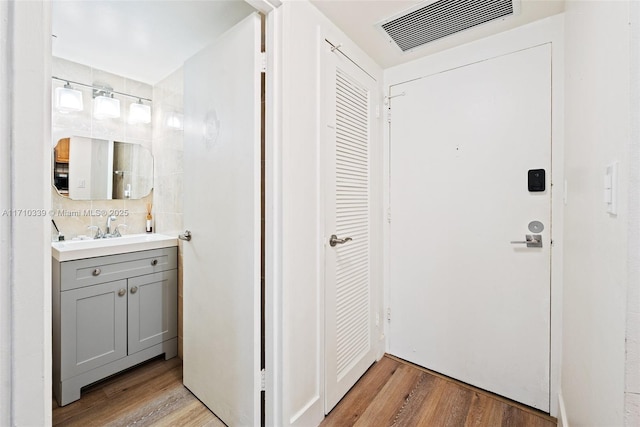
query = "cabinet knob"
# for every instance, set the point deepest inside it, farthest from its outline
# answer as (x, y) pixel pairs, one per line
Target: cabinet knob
(154, 262)
(96, 272)
(121, 292)
(134, 289)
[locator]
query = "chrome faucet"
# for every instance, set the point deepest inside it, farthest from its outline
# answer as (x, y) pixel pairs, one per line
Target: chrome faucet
(116, 232)
(109, 219)
(98, 234)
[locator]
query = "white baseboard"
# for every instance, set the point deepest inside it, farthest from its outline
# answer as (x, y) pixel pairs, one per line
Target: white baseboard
(563, 421)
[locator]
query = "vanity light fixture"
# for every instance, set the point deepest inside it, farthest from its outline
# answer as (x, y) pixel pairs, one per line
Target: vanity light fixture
(139, 112)
(105, 106)
(68, 99)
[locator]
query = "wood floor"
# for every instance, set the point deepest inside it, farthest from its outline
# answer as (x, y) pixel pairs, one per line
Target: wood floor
(391, 393)
(149, 395)
(395, 393)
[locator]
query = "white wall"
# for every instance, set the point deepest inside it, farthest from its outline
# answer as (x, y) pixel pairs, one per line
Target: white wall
(632, 376)
(168, 151)
(5, 226)
(303, 31)
(595, 272)
(25, 43)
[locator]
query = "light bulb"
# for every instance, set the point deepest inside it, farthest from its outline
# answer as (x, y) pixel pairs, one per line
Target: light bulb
(139, 113)
(105, 107)
(68, 99)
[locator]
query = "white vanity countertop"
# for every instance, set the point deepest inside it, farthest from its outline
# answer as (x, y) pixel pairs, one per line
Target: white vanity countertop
(77, 249)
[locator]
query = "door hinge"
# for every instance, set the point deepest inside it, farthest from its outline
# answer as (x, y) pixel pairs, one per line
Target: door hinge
(389, 215)
(388, 104)
(388, 314)
(262, 380)
(263, 62)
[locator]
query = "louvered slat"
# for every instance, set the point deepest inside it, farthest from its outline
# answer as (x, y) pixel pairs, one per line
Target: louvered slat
(352, 219)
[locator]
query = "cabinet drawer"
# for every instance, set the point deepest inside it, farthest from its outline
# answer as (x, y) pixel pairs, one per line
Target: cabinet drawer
(91, 271)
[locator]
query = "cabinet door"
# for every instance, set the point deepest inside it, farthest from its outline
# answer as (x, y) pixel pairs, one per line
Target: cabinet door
(93, 327)
(153, 309)
(62, 151)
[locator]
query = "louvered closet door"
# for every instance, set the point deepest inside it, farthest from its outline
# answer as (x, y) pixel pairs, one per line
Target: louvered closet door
(349, 316)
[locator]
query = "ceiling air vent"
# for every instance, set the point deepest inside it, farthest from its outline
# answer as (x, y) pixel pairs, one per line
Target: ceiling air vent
(426, 23)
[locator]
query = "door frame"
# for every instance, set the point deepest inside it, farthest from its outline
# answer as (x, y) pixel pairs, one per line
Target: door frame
(301, 297)
(326, 75)
(25, 245)
(273, 210)
(421, 153)
(17, 397)
(549, 30)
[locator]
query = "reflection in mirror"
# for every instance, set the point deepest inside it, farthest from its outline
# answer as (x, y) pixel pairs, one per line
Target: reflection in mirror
(97, 169)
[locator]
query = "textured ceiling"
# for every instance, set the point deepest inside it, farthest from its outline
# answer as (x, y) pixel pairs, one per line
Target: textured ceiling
(358, 19)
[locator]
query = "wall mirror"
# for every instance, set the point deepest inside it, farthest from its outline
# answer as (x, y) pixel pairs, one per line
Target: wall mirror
(97, 169)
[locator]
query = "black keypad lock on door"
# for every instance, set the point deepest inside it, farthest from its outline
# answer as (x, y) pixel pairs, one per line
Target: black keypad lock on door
(536, 180)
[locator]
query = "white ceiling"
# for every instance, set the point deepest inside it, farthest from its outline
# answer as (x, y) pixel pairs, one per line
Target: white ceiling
(146, 40)
(357, 18)
(141, 40)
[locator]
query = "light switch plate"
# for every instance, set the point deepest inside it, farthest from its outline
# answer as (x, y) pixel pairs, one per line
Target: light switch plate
(611, 188)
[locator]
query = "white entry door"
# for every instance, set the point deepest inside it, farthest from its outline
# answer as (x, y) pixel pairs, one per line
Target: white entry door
(221, 313)
(465, 300)
(349, 324)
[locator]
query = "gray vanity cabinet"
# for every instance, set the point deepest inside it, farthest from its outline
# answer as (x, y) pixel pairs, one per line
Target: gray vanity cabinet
(111, 313)
(93, 326)
(152, 310)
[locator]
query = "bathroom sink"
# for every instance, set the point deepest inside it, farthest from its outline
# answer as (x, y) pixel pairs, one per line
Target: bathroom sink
(77, 249)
